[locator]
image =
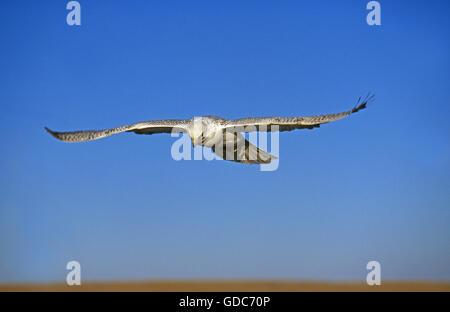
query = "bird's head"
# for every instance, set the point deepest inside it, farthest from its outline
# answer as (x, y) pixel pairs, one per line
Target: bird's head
(196, 131)
(195, 140)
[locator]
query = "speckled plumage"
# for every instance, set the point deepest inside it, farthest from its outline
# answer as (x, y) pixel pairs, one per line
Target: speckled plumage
(213, 131)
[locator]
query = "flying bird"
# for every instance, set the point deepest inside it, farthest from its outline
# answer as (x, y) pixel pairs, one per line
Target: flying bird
(222, 135)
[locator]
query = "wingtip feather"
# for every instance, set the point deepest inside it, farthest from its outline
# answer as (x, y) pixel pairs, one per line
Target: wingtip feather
(49, 131)
(53, 133)
(368, 99)
(359, 107)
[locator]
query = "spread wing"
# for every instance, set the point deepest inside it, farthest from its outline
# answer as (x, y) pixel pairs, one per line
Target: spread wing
(291, 123)
(234, 147)
(146, 127)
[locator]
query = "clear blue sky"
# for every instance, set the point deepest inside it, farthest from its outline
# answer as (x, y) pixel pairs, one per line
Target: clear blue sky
(374, 186)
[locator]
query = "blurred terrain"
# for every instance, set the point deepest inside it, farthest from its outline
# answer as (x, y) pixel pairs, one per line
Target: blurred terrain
(233, 285)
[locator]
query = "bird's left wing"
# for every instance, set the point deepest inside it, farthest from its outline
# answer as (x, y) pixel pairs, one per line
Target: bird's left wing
(291, 123)
(146, 127)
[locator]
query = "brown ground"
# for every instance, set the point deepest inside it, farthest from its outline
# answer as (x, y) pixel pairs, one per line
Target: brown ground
(227, 286)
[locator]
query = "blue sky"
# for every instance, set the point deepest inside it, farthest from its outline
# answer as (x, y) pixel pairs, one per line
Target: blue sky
(374, 186)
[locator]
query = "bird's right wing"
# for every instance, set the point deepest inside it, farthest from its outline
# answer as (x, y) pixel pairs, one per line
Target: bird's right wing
(146, 127)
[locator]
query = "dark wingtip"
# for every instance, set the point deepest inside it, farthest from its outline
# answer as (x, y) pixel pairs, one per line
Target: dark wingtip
(54, 134)
(49, 131)
(368, 99)
(357, 108)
